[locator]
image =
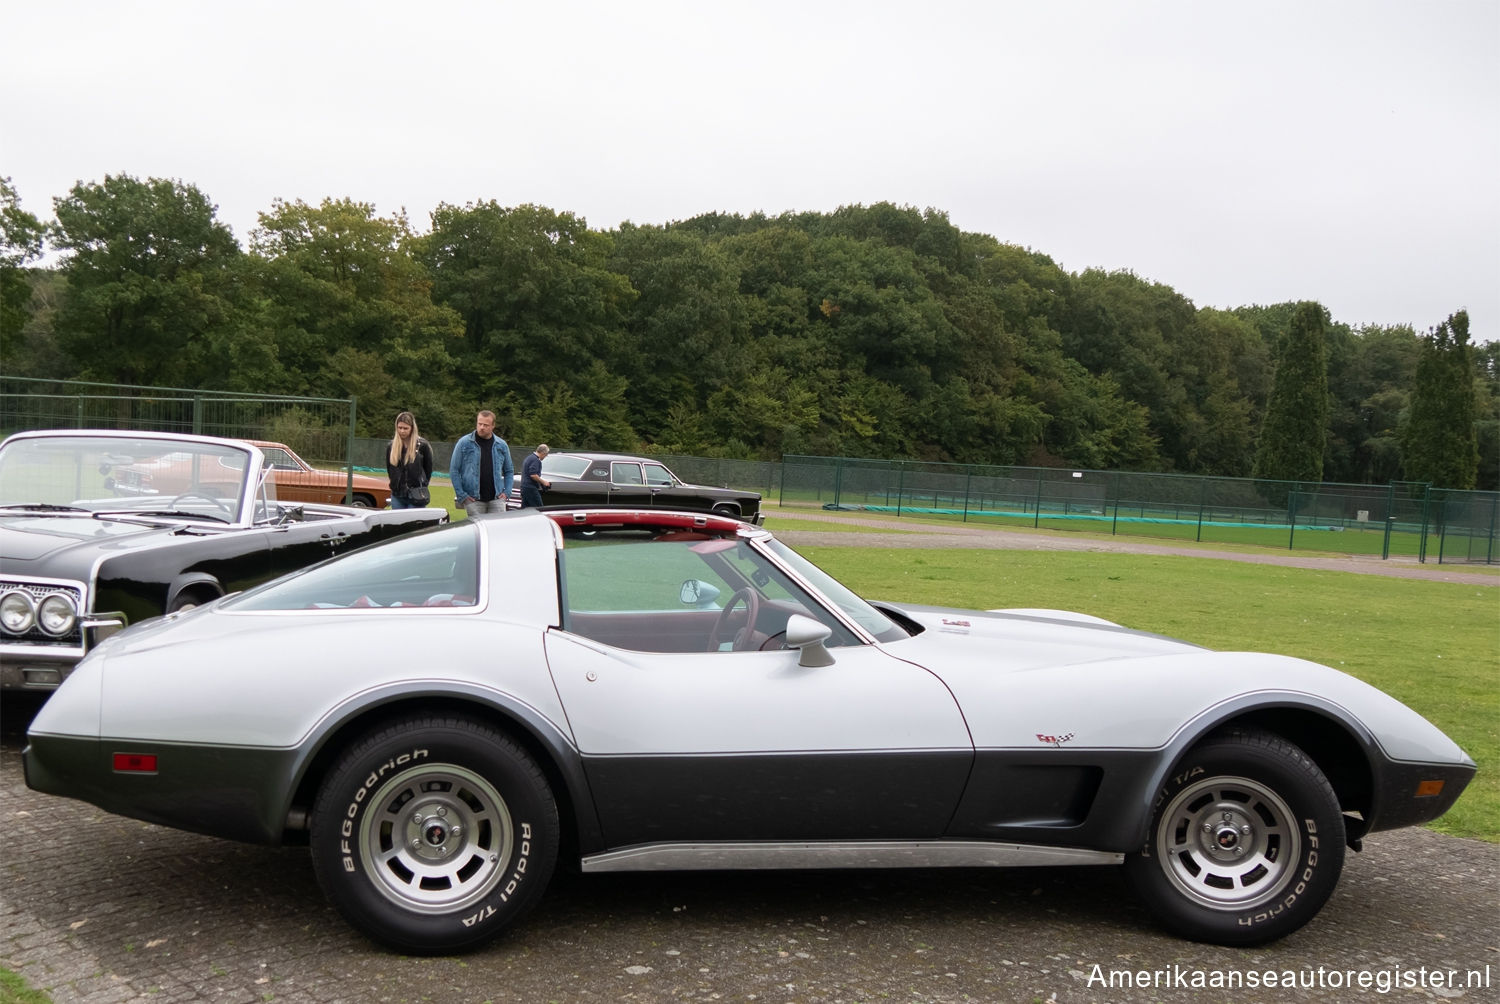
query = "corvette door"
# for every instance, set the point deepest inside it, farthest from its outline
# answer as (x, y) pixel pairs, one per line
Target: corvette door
(752, 746)
(697, 726)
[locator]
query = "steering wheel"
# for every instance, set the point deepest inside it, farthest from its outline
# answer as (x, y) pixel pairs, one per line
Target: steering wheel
(721, 630)
(198, 493)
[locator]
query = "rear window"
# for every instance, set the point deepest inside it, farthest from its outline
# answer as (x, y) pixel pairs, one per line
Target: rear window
(564, 466)
(439, 568)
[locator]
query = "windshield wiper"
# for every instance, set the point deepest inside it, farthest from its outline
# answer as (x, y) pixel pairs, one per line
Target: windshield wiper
(42, 507)
(168, 513)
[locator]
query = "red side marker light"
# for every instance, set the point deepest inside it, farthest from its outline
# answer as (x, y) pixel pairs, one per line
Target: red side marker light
(1426, 789)
(135, 763)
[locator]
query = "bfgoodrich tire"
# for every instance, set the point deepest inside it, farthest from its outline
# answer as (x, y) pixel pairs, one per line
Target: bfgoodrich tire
(432, 835)
(1246, 843)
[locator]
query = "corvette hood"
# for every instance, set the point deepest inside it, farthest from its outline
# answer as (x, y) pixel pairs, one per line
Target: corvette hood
(1048, 679)
(1027, 640)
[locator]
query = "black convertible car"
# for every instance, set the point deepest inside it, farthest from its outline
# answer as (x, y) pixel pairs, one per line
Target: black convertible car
(103, 528)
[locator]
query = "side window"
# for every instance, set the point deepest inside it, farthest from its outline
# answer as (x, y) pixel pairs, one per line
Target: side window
(438, 569)
(658, 476)
(266, 509)
(596, 472)
(666, 593)
(281, 460)
(625, 474)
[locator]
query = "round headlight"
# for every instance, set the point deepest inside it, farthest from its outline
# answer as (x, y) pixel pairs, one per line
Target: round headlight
(56, 614)
(17, 611)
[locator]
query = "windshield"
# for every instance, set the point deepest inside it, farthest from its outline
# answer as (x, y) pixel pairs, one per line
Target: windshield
(866, 616)
(125, 474)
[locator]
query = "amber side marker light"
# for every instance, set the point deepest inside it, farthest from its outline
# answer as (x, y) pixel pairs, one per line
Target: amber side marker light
(135, 763)
(1426, 789)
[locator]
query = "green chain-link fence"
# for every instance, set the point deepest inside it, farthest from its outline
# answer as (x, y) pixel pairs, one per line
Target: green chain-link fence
(319, 429)
(1400, 519)
(1397, 519)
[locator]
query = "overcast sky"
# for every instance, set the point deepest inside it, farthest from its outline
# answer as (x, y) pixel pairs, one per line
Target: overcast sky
(1346, 152)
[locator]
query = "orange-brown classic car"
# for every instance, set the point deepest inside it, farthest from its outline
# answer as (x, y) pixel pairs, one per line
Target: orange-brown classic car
(298, 481)
(295, 480)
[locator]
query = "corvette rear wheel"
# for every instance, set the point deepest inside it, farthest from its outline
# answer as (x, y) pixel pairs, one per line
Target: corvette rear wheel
(1247, 842)
(434, 834)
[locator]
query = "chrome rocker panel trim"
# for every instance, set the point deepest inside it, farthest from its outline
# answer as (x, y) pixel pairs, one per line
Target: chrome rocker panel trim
(843, 854)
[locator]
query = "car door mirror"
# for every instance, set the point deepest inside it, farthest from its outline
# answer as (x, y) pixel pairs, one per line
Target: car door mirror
(807, 636)
(699, 594)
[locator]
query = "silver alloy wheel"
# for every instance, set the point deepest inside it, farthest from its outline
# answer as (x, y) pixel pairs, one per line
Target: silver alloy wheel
(436, 838)
(1229, 843)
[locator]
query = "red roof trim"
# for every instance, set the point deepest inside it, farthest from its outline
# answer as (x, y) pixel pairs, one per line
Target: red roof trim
(645, 517)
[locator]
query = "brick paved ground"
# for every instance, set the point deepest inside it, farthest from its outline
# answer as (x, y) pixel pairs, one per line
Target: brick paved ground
(101, 910)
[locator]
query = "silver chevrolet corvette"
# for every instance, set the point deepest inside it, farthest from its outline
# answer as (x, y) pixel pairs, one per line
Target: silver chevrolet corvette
(444, 716)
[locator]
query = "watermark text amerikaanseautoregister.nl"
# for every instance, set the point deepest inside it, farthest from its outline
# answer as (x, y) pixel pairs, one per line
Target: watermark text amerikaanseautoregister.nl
(1381, 980)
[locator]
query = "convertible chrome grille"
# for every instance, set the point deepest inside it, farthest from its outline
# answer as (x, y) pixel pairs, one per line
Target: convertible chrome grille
(36, 636)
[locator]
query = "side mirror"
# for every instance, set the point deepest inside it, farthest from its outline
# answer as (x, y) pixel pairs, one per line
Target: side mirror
(699, 594)
(807, 636)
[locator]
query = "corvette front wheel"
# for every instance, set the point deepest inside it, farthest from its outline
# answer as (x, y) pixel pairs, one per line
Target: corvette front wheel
(433, 834)
(1246, 845)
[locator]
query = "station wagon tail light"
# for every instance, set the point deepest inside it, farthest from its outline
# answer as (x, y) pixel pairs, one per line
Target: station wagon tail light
(56, 614)
(135, 763)
(17, 611)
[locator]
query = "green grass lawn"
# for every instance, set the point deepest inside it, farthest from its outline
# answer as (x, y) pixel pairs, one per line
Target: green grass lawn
(1433, 645)
(1354, 539)
(1254, 541)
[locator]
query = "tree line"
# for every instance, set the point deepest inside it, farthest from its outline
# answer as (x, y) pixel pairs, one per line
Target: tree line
(869, 331)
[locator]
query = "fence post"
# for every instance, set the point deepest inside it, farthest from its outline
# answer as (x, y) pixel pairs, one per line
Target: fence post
(1489, 551)
(1114, 525)
(1037, 519)
(1422, 546)
(349, 456)
(1202, 497)
(900, 485)
(838, 481)
(1444, 516)
(1390, 520)
(968, 481)
(1292, 512)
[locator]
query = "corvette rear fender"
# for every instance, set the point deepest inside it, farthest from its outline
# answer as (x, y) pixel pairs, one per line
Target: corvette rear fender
(542, 738)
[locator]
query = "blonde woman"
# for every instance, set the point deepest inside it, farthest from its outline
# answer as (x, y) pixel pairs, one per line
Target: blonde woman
(409, 465)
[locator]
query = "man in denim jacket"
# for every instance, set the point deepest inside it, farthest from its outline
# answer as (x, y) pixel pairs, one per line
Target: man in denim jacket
(481, 470)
